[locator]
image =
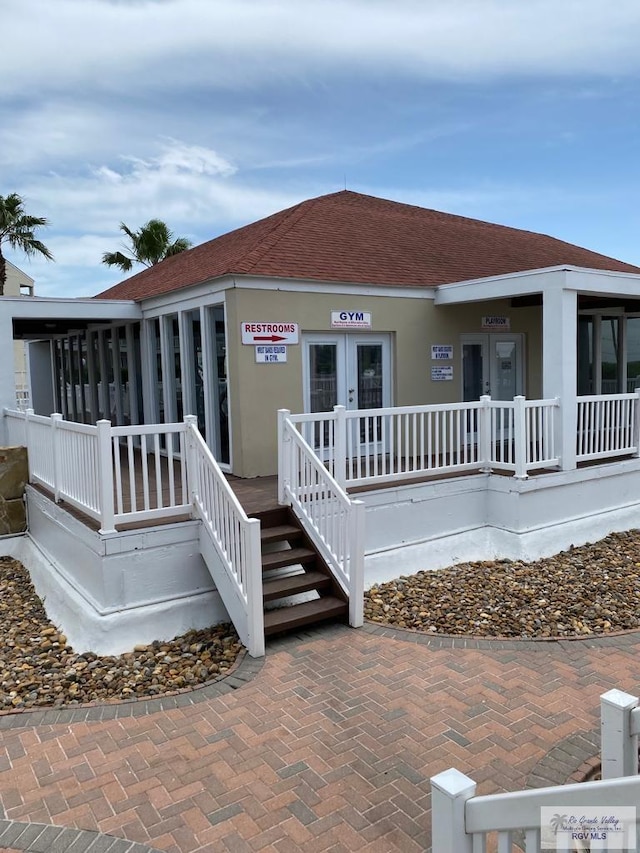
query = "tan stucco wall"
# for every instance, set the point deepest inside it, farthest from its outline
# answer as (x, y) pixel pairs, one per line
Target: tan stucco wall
(257, 391)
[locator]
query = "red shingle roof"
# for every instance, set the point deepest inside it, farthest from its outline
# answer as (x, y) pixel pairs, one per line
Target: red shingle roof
(349, 237)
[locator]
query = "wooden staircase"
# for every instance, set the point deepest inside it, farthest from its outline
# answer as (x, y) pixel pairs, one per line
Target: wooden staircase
(291, 566)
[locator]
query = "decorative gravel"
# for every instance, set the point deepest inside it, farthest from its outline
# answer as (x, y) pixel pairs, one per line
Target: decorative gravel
(38, 669)
(589, 590)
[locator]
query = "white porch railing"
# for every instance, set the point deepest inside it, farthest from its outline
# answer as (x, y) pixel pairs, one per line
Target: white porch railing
(333, 521)
(96, 470)
(229, 540)
(607, 426)
(92, 467)
(374, 446)
(461, 821)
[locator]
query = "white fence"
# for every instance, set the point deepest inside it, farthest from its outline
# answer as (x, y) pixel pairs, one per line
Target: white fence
(383, 445)
(462, 821)
(607, 426)
(93, 467)
(333, 521)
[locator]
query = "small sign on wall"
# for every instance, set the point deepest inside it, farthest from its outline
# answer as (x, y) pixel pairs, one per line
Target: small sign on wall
(271, 354)
(351, 319)
(496, 324)
(441, 352)
(442, 374)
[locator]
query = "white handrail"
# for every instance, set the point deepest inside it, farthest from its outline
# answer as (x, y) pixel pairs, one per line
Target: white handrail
(333, 521)
(234, 537)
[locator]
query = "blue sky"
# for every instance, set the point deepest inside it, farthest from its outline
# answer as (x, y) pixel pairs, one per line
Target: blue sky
(210, 114)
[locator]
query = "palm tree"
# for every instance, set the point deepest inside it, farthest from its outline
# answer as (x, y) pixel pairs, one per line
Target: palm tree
(149, 245)
(17, 229)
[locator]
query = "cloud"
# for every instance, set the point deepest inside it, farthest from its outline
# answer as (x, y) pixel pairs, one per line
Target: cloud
(110, 46)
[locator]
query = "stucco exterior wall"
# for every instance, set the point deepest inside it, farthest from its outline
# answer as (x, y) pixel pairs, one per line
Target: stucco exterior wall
(257, 391)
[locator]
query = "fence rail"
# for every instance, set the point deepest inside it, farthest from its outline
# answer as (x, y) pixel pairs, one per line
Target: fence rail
(95, 467)
(372, 446)
(462, 821)
(607, 426)
(119, 475)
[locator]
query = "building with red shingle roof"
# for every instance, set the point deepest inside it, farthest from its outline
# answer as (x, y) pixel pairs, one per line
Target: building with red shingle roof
(412, 346)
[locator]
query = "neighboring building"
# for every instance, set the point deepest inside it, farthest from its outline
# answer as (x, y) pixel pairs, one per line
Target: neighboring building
(18, 283)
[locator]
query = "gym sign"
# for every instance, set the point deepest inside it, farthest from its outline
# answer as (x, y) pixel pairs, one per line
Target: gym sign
(351, 319)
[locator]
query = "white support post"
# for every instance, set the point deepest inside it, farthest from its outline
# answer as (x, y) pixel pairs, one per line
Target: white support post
(56, 419)
(284, 458)
(619, 748)
(450, 791)
(27, 438)
(560, 363)
(105, 472)
(636, 422)
(484, 433)
(520, 438)
(191, 422)
(255, 605)
(340, 446)
(356, 565)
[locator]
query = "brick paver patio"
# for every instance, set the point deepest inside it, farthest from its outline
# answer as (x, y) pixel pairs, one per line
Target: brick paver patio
(326, 745)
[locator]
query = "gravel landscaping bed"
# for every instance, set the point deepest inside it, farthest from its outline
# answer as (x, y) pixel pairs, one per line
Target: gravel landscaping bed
(589, 590)
(38, 669)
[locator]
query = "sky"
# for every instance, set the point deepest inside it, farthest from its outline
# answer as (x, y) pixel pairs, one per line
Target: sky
(210, 114)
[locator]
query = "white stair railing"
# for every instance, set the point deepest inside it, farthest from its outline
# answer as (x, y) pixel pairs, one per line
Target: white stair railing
(229, 541)
(333, 521)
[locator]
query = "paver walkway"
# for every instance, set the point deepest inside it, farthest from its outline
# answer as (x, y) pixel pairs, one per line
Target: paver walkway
(326, 745)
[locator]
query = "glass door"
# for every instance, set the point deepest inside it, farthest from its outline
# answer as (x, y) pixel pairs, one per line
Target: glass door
(492, 364)
(349, 370)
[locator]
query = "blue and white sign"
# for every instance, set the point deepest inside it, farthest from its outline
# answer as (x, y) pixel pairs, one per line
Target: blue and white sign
(271, 354)
(441, 352)
(442, 374)
(351, 319)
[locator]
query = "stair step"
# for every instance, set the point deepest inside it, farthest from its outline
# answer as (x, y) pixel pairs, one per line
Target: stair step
(279, 533)
(294, 584)
(288, 618)
(288, 557)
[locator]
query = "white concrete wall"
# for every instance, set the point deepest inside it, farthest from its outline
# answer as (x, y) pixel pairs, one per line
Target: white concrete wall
(109, 593)
(487, 516)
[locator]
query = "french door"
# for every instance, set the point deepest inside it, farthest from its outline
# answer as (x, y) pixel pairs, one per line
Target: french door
(492, 364)
(346, 369)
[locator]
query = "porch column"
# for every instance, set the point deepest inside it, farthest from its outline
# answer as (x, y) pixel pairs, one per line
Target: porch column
(560, 365)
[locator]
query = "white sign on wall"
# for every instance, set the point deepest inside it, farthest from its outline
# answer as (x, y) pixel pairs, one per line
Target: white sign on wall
(442, 352)
(351, 319)
(498, 324)
(271, 354)
(269, 333)
(441, 374)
